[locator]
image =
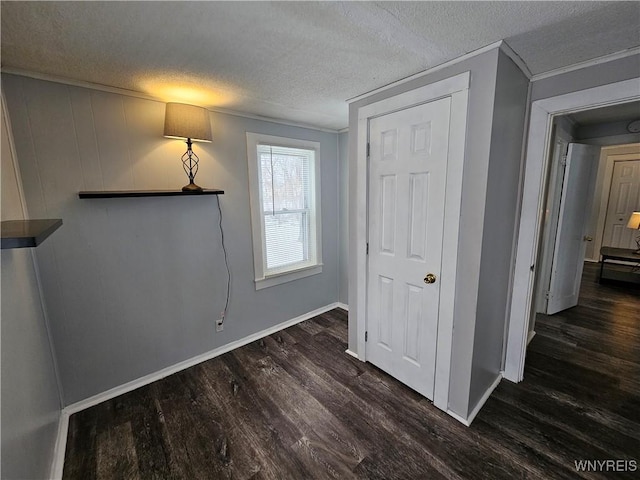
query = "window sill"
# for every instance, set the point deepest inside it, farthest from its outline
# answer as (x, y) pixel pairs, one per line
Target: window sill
(288, 276)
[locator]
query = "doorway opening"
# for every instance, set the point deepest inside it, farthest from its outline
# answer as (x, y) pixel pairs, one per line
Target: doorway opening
(593, 188)
(537, 166)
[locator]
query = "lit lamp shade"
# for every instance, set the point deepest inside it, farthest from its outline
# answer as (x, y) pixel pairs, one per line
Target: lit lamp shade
(187, 121)
(634, 221)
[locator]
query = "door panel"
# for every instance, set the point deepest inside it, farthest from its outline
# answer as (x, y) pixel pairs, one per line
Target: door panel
(385, 289)
(552, 213)
(418, 197)
(407, 177)
(388, 214)
(570, 244)
(624, 199)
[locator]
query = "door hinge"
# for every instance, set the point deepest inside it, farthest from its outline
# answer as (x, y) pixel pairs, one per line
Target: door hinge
(366, 336)
(368, 149)
(547, 295)
(563, 161)
(367, 248)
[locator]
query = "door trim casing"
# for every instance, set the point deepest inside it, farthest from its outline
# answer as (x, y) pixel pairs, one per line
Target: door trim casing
(529, 232)
(456, 87)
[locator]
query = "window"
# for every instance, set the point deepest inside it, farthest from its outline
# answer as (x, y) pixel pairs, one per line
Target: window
(284, 187)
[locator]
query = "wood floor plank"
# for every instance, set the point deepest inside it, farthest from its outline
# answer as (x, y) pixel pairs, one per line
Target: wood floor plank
(302, 409)
(596, 362)
(340, 331)
(621, 404)
(267, 446)
(624, 323)
(459, 452)
(80, 455)
(604, 343)
(595, 426)
(551, 442)
(116, 455)
(313, 327)
(521, 453)
(376, 430)
(151, 448)
(195, 436)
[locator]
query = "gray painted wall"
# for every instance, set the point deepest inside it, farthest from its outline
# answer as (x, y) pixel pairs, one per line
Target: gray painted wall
(612, 140)
(135, 285)
(602, 74)
(343, 209)
(602, 132)
(509, 114)
(483, 70)
(30, 396)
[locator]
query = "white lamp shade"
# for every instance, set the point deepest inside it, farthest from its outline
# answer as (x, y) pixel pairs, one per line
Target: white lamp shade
(634, 221)
(187, 121)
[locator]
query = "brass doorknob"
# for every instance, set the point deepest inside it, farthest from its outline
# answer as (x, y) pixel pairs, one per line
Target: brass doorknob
(430, 278)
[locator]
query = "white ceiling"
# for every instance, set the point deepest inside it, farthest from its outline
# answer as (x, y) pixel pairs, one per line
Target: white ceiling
(297, 61)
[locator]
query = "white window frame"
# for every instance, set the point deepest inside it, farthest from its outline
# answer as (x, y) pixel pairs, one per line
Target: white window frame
(262, 280)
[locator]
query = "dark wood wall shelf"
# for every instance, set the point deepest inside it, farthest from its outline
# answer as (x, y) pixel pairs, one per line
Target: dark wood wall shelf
(146, 193)
(27, 233)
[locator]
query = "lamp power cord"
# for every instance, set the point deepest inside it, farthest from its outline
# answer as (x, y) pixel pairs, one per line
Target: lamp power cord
(226, 260)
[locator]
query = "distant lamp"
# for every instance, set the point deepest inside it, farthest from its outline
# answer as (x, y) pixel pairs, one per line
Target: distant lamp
(634, 222)
(192, 124)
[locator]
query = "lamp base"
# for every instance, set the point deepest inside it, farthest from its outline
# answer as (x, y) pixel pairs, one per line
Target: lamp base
(192, 187)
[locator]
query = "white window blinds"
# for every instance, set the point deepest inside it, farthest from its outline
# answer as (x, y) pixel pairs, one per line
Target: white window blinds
(287, 201)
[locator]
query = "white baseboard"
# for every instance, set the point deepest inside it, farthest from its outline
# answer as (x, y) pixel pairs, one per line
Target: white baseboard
(57, 464)
(532, 334)
(165, 372)
(353, 354)
(343, 306)
(467, 421)
(462, 420)
(484, 398)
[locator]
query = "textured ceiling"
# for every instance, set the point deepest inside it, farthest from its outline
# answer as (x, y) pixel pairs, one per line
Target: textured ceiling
(297, 61)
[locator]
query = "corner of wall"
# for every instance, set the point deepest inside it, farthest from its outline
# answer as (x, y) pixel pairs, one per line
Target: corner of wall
(499, 225)
(343, 215)
(31, 394)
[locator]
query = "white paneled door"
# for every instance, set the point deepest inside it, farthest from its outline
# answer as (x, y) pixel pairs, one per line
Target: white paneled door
(570, 244)
(407, 182)
(624, 199)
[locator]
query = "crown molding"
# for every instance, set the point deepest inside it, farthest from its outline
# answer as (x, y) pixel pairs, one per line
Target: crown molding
(587, 63)
(431, 70)
(133, 93)
(517, 59)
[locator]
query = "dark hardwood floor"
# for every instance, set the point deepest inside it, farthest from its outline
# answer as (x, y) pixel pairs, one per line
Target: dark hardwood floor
(295, 406)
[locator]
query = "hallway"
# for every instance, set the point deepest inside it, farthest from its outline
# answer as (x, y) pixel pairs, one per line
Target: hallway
(580, 398)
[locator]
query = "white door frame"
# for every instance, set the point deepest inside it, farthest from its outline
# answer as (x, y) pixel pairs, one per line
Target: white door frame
(536, 166)
(456, 87)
